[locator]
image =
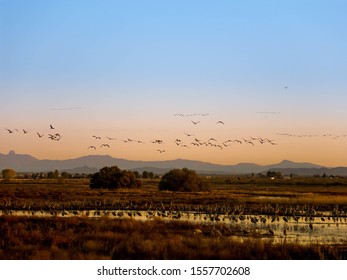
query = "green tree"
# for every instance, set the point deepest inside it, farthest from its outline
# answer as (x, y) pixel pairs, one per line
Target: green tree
(182, 180)
(114, 178)
(66, 175)
(274, 174)
(137, 174)
(150, 175)
(8, 174)
(145, 174)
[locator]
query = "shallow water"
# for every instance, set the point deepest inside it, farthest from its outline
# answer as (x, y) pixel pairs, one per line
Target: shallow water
(318, 230)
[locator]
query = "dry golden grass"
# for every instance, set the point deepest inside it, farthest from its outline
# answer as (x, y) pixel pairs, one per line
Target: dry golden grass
(83, 238)
(76, 194)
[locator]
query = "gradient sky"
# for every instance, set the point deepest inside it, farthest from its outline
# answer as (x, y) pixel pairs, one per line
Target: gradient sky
(123, 69)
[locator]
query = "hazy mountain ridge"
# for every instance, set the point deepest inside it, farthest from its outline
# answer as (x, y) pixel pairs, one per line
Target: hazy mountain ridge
(91, 163)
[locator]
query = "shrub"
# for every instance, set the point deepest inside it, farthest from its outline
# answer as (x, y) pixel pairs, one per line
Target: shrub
(114, 178)
(8, 174)
(185, 180)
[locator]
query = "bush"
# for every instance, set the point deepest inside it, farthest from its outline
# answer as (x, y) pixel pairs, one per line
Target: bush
(114, 178)
(184, 180)
(8, 174)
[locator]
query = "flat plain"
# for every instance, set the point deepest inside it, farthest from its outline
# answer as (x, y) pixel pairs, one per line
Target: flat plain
(239, 218)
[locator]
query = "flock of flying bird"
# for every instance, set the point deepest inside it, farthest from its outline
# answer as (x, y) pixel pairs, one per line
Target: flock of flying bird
(330, 136)
(189, 140)
(54, 137)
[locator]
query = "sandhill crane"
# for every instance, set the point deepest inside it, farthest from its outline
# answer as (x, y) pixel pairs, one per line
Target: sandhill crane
(195, 123)
(188, 134)
(9, 130)
(219, 122)
(157, 141)
(271, 232)
(25, 131)
(40, 135)
(161, 151)
(51, 126)
(92, 147)
(96, 137)
(105, 145)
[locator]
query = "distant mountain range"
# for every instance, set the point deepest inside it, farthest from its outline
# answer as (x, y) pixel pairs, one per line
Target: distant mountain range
(92, 163)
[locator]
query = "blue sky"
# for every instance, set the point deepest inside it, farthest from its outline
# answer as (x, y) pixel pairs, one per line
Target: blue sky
(128, 66)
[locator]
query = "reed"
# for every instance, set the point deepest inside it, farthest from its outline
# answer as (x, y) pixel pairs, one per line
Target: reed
(104, 238)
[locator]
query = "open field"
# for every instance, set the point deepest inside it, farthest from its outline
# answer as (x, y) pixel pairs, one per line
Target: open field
(240, 218)
(225, 191)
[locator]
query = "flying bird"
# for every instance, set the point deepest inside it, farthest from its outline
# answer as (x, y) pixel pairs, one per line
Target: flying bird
(189, 135)
(55, 137)
(40, 135)
(195, 123)
(105, 145)
(220, 122)
(92, 147)
(51, 126)
(161, 151)
(96, 137)
(9, 130)
(25, 131)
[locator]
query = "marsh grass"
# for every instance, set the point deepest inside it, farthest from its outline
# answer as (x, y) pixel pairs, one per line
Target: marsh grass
(76, 194)
(104, 238)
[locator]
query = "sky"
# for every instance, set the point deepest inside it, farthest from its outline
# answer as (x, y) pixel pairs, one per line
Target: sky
(274, 72)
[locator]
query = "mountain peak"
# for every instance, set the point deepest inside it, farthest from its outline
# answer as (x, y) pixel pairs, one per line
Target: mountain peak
(27, 163)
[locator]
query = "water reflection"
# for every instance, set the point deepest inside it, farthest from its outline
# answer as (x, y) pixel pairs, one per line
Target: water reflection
(301, 230)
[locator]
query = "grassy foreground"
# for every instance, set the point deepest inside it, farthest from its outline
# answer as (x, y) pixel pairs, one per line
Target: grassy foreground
(85, 238)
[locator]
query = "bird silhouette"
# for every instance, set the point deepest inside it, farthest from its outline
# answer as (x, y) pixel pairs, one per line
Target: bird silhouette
(188, 134)
(25, 131)
(220, 122)
(40, 135)
(9, 130)
(195, 123)
(51, 126)
(105, 145)
(92, 147)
